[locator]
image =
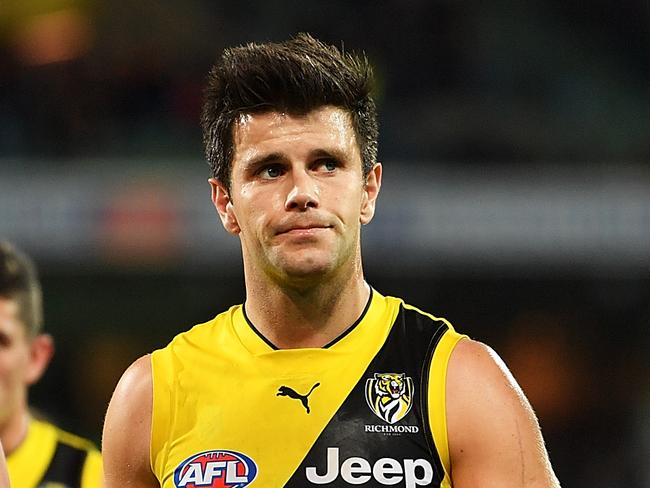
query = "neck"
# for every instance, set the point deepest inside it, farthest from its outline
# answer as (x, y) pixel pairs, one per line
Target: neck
(307, 316)
(14, 430)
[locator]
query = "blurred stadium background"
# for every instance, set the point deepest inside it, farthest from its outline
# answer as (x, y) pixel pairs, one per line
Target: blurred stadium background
(516, 142)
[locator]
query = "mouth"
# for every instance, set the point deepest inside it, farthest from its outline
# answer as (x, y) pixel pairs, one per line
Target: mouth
(303, 229)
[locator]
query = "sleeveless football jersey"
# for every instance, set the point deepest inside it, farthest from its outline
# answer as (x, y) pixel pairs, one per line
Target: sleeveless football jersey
(230, 410)
(52, 458)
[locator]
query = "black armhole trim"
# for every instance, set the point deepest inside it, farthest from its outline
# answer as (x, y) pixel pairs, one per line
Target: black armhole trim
(329, 344)
(424, 400)
(66, 466)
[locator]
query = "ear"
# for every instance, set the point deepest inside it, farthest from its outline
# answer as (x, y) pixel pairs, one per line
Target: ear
(41, 350)
(222, 202)
(371, 192)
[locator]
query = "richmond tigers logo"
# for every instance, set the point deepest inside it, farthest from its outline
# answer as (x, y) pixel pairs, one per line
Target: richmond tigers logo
(390, 395)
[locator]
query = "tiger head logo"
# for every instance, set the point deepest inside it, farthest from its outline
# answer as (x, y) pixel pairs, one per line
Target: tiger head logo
(390, 395)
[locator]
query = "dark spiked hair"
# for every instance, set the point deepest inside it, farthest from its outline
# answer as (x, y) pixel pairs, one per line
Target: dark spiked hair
(19, 282)
(294, 76)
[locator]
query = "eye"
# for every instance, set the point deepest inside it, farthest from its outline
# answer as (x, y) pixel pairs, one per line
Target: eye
(5, 340)
(270, 172)
(328, 165)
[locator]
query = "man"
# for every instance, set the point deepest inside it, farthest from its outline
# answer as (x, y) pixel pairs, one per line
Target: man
(38, 453)
(317, 379)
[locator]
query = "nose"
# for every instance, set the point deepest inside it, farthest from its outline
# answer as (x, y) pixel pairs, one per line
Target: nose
(303, 194)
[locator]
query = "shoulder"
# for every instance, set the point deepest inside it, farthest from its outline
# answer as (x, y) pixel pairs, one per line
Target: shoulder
(131, 401)
(127, 427)
(480, 388)
(135, 384)
(474, 364)
(492, 430)
(196, 336)
(417, 317)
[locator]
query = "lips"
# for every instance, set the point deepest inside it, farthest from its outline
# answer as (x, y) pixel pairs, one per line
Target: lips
(302, 227)
(303, 230)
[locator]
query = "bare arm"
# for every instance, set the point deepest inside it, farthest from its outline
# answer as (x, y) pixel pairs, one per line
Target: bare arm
(127, 430)
(4, 475)
(494, 437)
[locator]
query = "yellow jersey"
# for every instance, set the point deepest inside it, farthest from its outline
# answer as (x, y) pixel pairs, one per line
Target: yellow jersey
(231, 410)
(52, 458)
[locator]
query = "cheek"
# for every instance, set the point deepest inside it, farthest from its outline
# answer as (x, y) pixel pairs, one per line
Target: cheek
(13, 364)
(349, 201)
(252, 221)
(261, 210)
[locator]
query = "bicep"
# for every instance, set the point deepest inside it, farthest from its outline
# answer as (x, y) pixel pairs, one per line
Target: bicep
(127, 430)
(494, 437)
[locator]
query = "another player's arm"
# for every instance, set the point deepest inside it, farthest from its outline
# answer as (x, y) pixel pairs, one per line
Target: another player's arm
(127, 430)
(494, 437)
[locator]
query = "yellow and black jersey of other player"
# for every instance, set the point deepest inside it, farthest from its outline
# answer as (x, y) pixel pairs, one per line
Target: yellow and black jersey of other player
(52, 458)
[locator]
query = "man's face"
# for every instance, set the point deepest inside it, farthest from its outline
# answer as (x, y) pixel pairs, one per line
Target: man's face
(297, 195)
(15, 360)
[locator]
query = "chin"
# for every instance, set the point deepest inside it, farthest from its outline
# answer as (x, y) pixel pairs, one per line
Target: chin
(306, 271)
(307, 267)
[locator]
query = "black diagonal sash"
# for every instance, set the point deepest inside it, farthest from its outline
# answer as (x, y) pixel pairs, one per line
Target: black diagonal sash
(65, 468)
(367, 446)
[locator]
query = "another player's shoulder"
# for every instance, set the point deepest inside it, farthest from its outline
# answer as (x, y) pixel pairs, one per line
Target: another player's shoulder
(66, 448)
(70, 439)
(92, 472)
(42, 431)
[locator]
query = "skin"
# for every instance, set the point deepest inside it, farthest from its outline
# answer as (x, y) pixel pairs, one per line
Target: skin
(296, 202)
(494, 438)
(4, 475)
(23, 360)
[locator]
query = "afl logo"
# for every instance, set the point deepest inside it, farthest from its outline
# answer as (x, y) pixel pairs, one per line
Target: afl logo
(390, 396)
(215, 469)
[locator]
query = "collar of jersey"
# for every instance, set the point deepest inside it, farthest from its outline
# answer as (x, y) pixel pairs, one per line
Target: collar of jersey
(256, 343)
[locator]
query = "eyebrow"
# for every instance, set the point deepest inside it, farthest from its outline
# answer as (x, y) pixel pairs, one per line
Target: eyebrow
(259, 161)
(279, 157)
(330, 153)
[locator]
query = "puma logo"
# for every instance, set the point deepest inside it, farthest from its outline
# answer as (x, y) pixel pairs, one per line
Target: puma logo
(291, 393)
